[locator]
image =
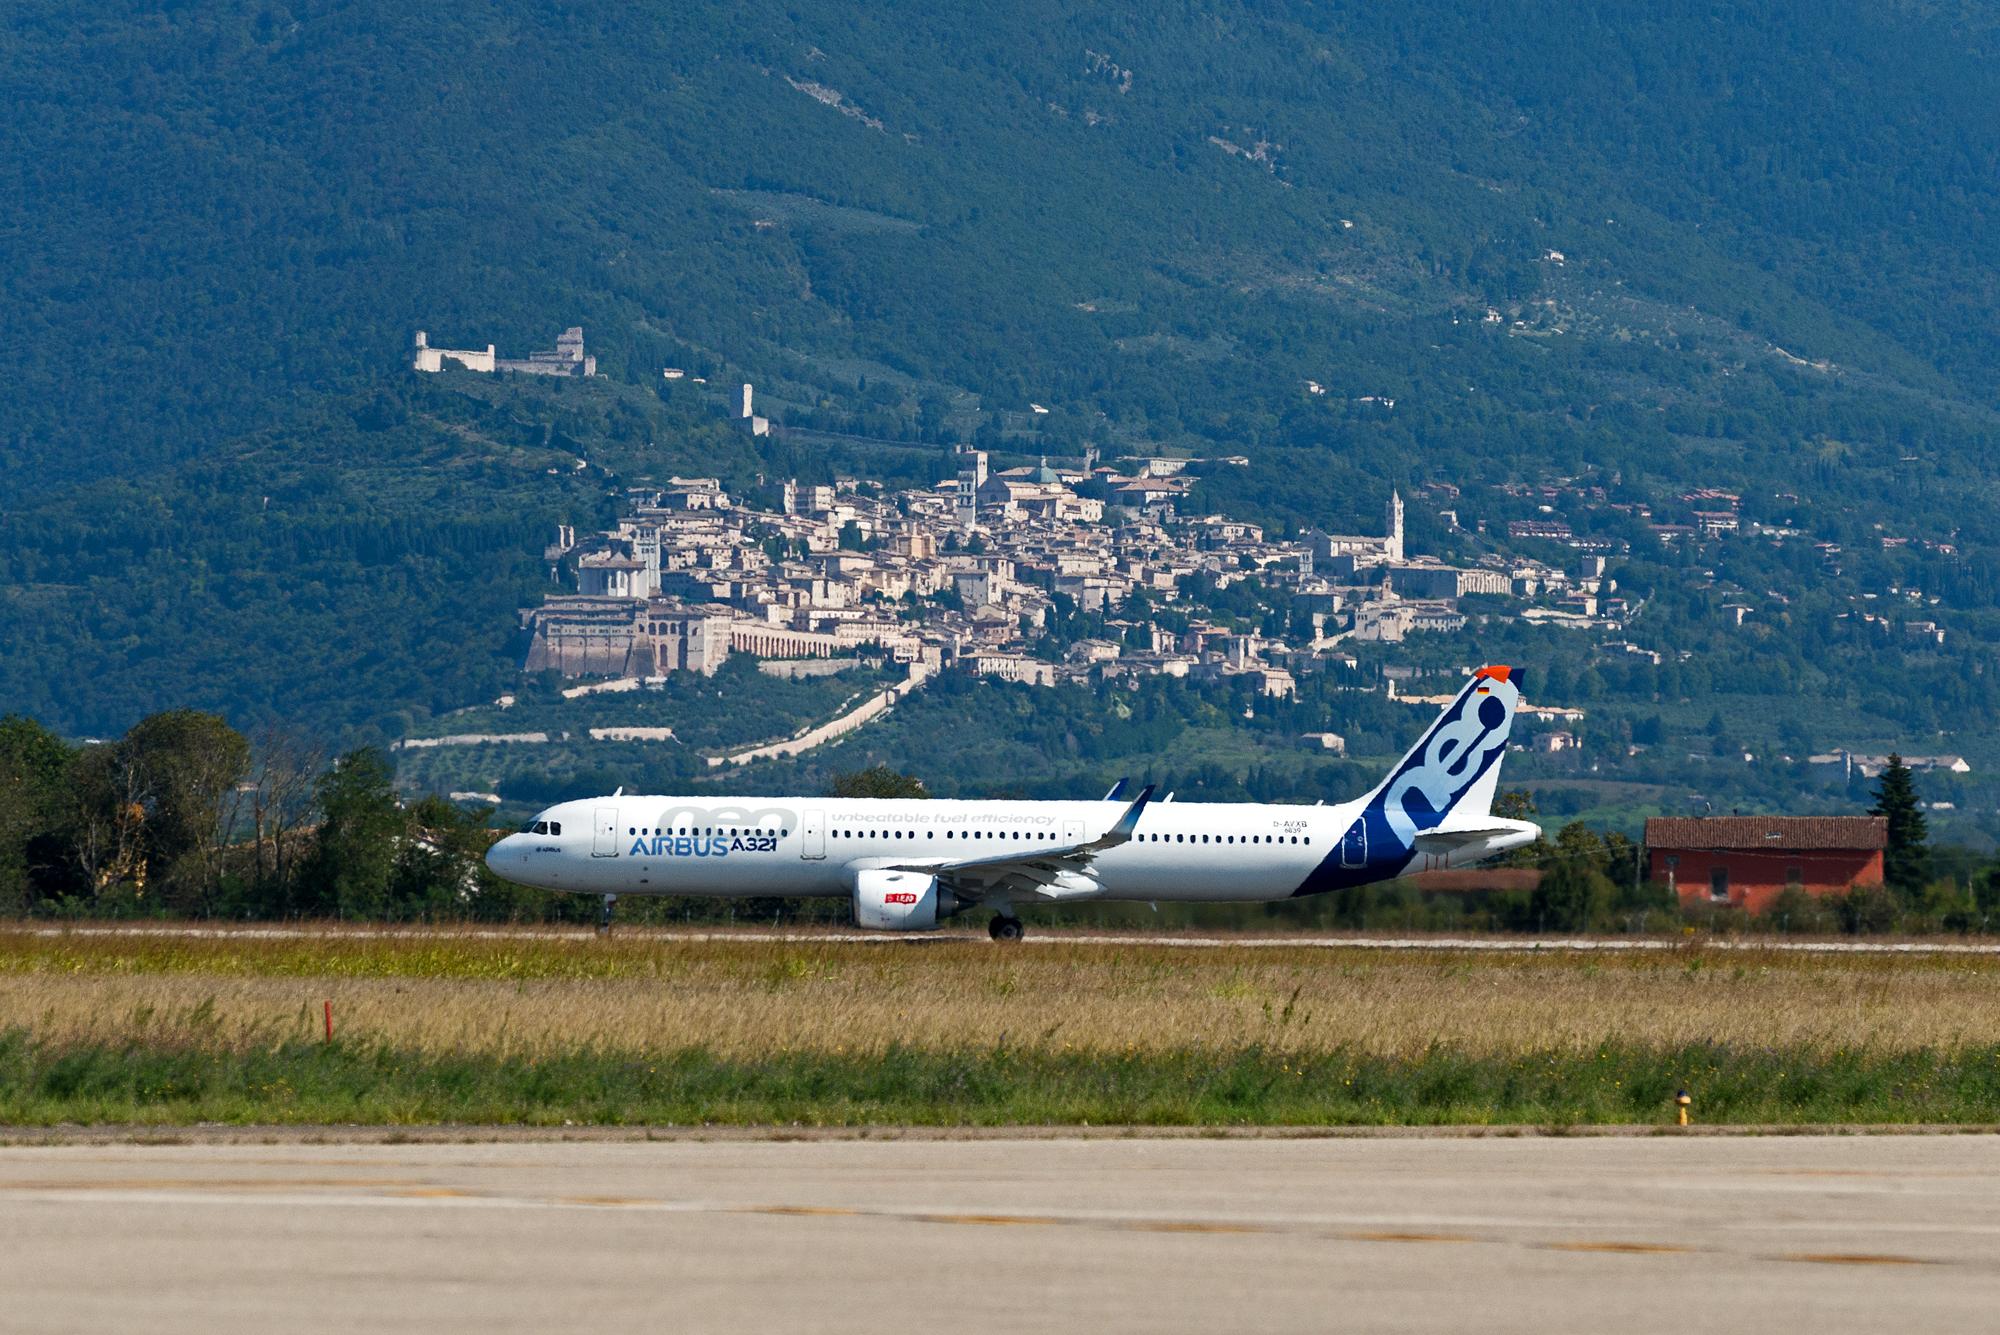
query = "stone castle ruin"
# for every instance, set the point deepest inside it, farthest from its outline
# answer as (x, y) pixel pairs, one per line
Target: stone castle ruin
(566, 358)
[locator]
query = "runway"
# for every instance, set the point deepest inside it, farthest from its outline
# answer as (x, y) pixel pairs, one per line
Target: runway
(1065, 937)
(1528, 1234)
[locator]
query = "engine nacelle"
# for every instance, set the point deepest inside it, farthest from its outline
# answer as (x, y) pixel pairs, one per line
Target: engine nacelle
(901, 901)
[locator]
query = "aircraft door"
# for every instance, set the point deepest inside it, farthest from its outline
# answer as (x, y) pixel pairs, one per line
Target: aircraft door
(812, 835)
(605, 845)
(1354, 848)
(1072, 832)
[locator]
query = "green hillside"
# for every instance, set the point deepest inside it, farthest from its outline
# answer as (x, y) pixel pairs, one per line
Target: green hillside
(221, 486)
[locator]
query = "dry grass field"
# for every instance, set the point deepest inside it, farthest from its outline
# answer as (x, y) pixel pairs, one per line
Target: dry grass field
(174, 1027)
(537, 995)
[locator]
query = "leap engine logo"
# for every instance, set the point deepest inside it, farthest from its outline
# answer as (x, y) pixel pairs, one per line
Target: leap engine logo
(1451, 759)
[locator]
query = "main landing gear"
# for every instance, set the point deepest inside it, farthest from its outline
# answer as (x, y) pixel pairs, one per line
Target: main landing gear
(1005, 927)
(604, 917)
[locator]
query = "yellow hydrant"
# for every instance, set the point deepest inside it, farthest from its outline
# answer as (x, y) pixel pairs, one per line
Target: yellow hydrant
(1683, 1100)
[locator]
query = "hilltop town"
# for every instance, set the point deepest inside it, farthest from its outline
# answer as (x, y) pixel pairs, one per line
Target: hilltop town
(967, 574)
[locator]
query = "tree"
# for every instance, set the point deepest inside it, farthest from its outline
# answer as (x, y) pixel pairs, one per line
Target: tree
(107, 821)
(1906, 861)
(183, 766)
(1519, 804)
(281, 796)
(352, 865)
(440, 865)
(34, 777)
(878, 781)
(1986, 897)
(1571, 896)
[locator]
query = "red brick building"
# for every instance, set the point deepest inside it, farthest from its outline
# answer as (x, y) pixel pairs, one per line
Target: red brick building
(1744, 861)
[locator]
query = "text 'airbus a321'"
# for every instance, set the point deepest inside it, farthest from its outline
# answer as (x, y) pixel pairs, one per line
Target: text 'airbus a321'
(909, 865)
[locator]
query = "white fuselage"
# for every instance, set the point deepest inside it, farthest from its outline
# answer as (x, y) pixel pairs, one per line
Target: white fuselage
(628, 845)
(909, 862)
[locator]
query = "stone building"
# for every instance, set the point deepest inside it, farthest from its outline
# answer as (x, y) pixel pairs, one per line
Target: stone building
(581, 636)
(566, 358)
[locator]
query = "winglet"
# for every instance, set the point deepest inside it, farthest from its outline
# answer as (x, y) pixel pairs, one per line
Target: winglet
(1127, 823)
(1117, 790)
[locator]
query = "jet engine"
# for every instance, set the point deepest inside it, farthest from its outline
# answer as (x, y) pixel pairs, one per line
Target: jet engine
(901, 901)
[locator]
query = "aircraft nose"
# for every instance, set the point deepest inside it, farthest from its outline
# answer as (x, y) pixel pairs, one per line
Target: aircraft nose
(504, 855)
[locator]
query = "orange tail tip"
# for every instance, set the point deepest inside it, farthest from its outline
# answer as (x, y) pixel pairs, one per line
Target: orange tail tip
(1497, 673)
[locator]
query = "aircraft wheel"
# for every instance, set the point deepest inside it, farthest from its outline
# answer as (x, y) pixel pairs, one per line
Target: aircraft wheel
(1004, 928)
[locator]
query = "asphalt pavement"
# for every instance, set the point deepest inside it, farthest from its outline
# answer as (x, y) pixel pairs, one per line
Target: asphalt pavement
(1823, 1233)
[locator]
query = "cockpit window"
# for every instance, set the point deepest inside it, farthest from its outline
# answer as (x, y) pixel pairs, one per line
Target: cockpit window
(543, 827)
(555, 827)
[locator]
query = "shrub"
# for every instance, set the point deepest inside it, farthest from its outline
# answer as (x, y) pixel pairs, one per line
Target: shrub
(1795, 910)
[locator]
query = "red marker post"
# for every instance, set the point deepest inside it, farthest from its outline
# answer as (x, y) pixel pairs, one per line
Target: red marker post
(329, 1022)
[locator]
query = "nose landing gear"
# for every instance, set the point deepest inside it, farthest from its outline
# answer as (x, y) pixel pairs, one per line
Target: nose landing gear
(1005, 927)
(604, 918)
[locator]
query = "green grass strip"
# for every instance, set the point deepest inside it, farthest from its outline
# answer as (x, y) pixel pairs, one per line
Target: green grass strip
(43, 1083)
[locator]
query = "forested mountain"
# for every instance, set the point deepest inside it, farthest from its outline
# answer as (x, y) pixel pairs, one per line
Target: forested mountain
(221, 486)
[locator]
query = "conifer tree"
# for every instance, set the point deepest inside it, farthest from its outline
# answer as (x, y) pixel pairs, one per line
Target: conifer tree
(1906, 863)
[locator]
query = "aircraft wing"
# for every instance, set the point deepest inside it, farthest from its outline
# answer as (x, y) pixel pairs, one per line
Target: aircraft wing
(1062, 872)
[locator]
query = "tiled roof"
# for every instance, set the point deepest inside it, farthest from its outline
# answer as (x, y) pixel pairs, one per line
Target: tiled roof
(1803, 833)
(1475, 879)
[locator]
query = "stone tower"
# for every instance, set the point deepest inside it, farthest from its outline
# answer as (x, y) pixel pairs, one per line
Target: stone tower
(1393, 547)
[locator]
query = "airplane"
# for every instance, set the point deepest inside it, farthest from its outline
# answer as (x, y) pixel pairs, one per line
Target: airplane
(909, 865)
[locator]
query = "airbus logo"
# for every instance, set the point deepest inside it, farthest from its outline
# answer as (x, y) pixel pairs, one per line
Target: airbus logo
(701, 846)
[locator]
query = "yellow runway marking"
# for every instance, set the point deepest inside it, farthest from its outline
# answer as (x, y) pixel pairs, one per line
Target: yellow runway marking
(991, 1220)
(206, 1183)
(1620, 1248)
(1852, 1258)
(1192, 1226)
(360, 1191)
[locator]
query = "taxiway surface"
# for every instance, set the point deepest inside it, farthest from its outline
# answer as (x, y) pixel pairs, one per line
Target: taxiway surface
(1495, 1235)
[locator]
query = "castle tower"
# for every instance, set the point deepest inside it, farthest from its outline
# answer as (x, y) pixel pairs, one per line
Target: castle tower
(745, 410)
(1392, 548)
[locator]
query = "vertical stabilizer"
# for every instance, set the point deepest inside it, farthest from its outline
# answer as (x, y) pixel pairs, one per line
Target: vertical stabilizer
(1455, 768)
